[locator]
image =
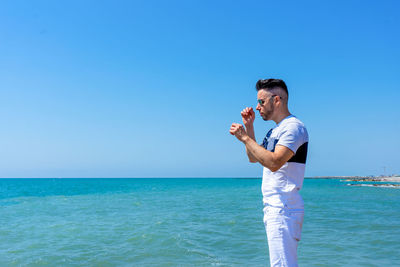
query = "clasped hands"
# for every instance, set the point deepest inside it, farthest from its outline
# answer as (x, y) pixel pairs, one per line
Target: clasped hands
(238, 130)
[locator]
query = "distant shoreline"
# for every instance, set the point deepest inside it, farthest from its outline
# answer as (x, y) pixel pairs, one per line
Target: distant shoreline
(361, 178)
(395, 179)
(391, 181)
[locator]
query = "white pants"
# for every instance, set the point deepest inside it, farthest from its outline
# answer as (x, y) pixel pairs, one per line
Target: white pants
(283, 227)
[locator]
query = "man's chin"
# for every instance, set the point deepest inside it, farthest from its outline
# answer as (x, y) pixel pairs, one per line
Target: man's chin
(265, 118)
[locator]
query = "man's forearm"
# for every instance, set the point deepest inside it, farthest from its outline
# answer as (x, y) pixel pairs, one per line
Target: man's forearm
(250, 133)
(259, 154)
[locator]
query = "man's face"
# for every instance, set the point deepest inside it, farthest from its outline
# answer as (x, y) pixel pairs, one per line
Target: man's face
(266, 107)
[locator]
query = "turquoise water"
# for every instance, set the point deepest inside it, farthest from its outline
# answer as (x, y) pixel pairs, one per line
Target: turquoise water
(188, 222)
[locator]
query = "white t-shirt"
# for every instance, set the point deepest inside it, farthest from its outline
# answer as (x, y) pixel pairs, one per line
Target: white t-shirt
(281, 188)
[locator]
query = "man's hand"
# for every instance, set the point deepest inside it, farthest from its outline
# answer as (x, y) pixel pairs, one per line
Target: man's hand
(238, 130)
(248, 117)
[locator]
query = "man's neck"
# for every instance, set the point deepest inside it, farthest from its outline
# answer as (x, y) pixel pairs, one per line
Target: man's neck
(281, 116)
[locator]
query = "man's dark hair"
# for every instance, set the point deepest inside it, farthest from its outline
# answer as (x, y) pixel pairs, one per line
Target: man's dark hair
(269, 84)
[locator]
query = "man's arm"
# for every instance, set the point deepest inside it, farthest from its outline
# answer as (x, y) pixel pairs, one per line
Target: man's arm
(271, 160)
(250, 132)
(248, 117)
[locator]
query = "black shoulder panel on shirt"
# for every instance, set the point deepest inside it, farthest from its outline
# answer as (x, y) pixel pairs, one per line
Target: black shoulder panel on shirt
(301, 154)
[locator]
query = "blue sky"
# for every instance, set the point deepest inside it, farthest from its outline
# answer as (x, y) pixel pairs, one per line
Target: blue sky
(150, 88)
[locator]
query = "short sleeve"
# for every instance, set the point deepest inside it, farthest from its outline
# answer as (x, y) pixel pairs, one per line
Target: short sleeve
(293, 136)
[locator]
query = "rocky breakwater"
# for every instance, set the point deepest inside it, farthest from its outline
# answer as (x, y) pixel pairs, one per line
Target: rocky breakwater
(380, 181)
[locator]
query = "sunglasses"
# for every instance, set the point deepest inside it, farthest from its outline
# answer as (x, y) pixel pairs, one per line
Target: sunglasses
(261, 102)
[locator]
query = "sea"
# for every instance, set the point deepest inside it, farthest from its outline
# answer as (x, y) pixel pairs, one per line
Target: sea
(188, 222)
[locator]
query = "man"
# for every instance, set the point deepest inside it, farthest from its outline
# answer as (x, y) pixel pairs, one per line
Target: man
(283, 155)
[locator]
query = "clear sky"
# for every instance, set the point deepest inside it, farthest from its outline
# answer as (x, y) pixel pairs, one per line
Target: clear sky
(150, 88)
